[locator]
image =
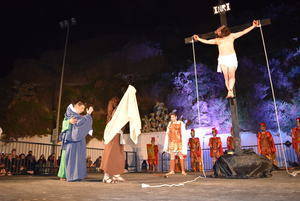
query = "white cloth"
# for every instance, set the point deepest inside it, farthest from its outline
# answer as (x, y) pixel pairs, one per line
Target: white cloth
(122, 140)
(127, 111)
(72, 108)
(184, 138)
(229, 61)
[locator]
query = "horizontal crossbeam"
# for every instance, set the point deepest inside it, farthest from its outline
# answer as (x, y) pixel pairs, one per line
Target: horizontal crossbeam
(211, 35)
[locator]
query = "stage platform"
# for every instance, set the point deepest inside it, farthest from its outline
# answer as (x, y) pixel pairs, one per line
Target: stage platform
(279, 187)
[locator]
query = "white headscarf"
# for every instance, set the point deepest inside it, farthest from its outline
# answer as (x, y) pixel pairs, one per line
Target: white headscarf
(127, 111)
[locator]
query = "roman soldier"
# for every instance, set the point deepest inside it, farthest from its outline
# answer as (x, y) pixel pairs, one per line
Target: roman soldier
(215, 144)
(152, 151)
(265, 143)
(195, 152)
(230, 144)
(296, 138)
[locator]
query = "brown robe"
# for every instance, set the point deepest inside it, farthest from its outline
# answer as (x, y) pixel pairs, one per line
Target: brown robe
(113, 160)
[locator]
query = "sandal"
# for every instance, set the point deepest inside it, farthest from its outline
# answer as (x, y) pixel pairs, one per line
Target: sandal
(107, 180)
(169, 173)
(118, 178)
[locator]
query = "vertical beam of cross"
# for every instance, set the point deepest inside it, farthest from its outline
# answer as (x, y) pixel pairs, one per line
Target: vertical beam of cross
(221, 9)
(232, 101)
(223, 17)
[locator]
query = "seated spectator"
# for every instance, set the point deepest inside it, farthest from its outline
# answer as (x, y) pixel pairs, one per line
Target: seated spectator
(42, 161)
(52, 163)
(89, 162)
(31, 162)
(10, 167)
(41, 164)
(15, 159)
(14, 153)
(22, 165)
(52, 160)
(2, 165)
(97, 164)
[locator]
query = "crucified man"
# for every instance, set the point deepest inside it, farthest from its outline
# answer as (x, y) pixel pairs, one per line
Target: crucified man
(227, 61)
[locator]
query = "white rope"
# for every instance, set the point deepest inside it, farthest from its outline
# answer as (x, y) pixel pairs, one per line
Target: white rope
(198, 112)
(171, 185)
(196, 81)
(275, 105)
(197, 94)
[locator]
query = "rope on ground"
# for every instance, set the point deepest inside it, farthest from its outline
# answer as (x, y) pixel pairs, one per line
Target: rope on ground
(198, 112)
(275, 105)
(171, 185)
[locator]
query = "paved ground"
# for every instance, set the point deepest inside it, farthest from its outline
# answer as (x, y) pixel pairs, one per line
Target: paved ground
(279, 187)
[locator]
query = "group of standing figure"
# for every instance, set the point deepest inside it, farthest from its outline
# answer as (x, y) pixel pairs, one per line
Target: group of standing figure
(176, 145)
(76, 127)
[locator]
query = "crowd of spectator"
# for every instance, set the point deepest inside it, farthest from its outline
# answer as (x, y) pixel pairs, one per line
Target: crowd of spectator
(13, 164)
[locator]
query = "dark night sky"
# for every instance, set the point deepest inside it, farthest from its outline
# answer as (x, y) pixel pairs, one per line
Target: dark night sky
(31, 27)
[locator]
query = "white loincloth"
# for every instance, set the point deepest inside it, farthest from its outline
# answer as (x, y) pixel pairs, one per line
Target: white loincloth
(229, 61)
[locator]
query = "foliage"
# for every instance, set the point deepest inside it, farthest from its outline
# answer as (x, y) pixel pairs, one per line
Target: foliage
(157, 120)
(213, 109)
(255, 102)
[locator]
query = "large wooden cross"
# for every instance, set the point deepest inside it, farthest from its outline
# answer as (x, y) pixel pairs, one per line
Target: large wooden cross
(221, 9)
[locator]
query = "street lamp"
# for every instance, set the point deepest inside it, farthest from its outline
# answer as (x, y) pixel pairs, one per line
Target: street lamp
(65, 24)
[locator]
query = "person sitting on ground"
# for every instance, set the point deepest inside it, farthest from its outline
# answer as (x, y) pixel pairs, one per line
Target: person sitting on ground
(23, 165)
(41, 163)
(52, 163)
(89, 162)
(97, 163)
(15, 159)
(9, 166)
(2, 165)
(31, 162)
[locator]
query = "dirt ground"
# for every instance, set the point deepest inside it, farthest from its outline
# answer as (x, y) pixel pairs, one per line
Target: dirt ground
(279, 187)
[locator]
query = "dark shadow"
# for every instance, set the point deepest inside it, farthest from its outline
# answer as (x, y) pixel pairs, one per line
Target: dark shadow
(92, 180)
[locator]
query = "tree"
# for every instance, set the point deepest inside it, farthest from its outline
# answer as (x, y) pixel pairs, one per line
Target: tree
(214, 111)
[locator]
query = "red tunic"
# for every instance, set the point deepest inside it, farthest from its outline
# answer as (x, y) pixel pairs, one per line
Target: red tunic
(265, 143)
(175, 141)
(296, 139)
(195, 148)
(152, 151)
(230, 145)
(216, 149)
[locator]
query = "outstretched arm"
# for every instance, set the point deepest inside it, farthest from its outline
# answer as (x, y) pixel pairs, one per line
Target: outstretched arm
(210, 42)
(255, 23)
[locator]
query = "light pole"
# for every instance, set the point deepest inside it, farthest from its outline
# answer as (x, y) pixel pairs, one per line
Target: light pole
(65, 24)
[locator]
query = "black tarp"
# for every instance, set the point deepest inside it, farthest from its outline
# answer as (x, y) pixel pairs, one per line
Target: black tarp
(246, 164)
